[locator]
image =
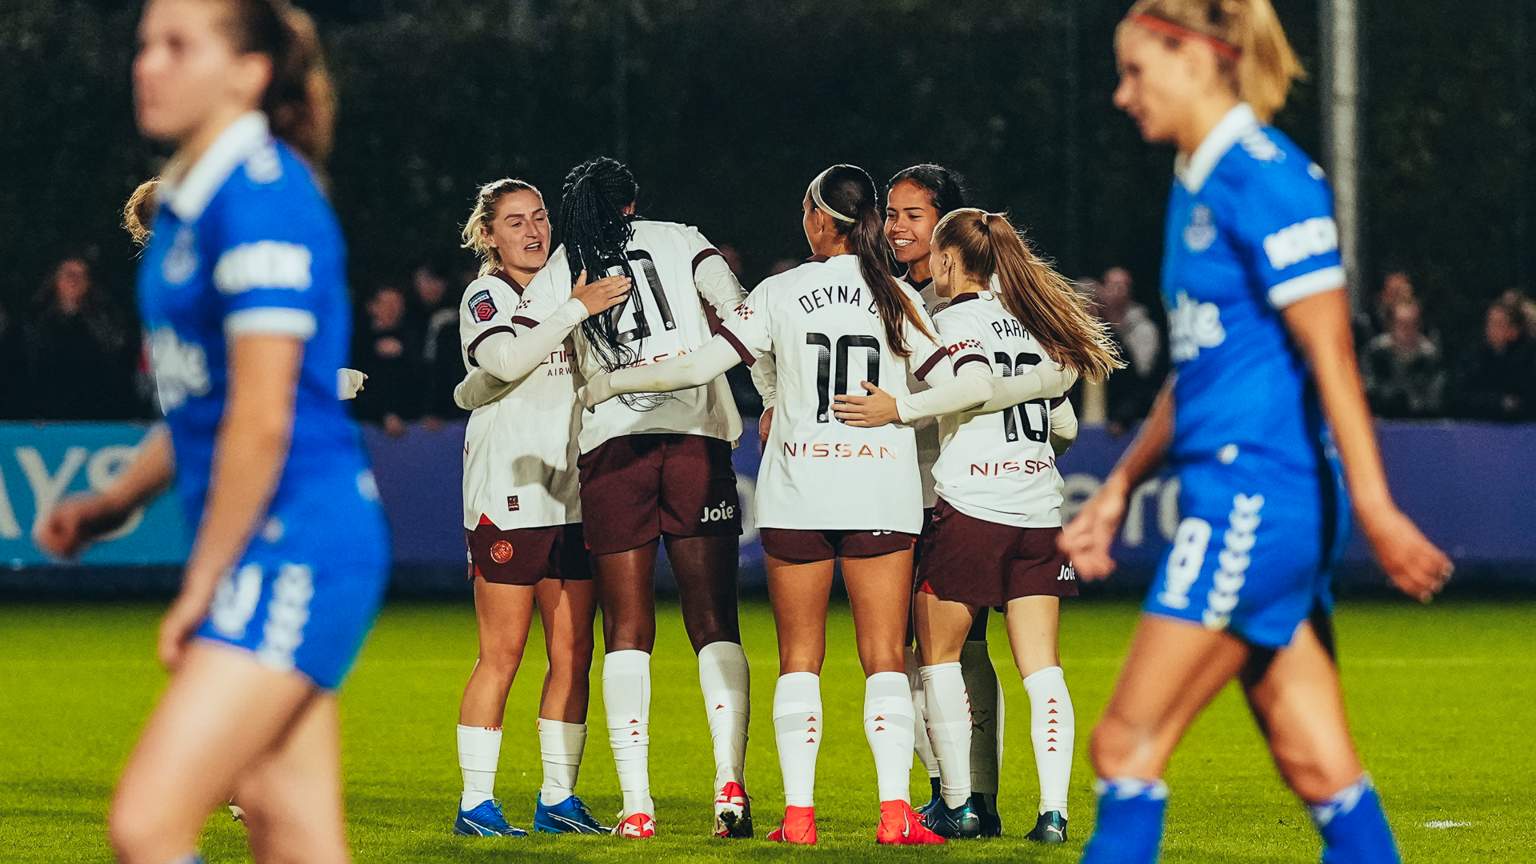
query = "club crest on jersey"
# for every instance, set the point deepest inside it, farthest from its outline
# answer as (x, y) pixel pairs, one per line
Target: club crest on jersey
(180, 263)
(482, 306)
(1193, 325)
(1200, 233)
(512, 504)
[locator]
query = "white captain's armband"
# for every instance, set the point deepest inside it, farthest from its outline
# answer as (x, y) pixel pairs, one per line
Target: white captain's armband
(267, 264)
(1301, 241)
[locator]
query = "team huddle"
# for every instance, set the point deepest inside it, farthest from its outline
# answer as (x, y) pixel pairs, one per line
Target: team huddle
(603, 423)
(914, 371)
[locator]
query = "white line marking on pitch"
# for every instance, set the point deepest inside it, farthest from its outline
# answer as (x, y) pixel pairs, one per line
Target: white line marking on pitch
(1446, 824)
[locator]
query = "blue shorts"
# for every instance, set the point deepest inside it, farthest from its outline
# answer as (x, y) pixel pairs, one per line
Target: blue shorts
(1256, 547)
(305, 594)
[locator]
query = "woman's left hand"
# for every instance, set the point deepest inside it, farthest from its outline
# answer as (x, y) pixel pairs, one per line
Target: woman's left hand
(177, 627)
(876, 409)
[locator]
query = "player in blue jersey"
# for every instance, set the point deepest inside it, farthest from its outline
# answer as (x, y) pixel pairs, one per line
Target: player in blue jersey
(243, 294)
(1263, 406)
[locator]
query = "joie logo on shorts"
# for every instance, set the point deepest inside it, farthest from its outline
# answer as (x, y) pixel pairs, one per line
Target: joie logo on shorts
(1244, 522)
(725, 511)
(1068, 573)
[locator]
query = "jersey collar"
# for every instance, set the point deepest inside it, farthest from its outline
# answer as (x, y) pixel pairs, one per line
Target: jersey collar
(1196, 169)
(188, 190)
(512, 283)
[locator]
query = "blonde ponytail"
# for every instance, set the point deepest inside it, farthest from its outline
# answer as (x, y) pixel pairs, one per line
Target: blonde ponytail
(1259, 59)
(1042, 299)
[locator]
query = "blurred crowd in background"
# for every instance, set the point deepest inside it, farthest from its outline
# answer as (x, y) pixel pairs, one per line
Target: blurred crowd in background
(73, 354)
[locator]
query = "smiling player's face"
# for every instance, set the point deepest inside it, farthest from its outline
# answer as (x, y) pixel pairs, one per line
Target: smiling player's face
(187, 77)
(520, 231)
(910, 218)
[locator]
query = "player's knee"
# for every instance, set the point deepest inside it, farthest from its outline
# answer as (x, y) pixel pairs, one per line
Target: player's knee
(135, 831)
(500, 661)
(1111, 747)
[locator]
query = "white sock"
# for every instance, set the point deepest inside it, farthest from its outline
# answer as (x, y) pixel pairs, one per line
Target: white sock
(1052, 728)
(724, 678)
(986, 694)
(949, 722)
(560, 748)
(627, 698)
(923, 745)
(479, 751)
(888, 724)
(797, 727)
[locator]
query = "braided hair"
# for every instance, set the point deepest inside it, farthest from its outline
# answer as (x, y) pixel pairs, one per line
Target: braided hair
(596, 232)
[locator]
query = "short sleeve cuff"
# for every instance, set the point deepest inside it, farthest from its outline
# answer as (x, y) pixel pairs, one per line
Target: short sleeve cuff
(1304, 286)
(923, 370)
(271, 321)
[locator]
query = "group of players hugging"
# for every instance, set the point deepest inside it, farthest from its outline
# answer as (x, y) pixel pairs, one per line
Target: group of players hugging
(914, 372)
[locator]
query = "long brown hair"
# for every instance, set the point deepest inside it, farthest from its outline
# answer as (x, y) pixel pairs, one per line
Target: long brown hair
(848, 195)
(480, 219)
(299, 101)
(1042, 299)
(1260, 62)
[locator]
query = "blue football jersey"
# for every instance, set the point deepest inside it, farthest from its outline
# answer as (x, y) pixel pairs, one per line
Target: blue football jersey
(245, 242)
(1250, 230)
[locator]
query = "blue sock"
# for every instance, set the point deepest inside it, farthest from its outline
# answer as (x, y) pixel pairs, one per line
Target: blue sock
(1354, 828)
(1130, 823)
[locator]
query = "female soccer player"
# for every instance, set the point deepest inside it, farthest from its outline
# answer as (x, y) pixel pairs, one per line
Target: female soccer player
(915, 200)
(655, 468)
(1261, 345)
(992, 538)
(242, 290)
(522, 523)
(828, 490)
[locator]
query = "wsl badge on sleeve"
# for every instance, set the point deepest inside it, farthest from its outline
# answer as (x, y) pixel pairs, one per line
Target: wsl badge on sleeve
(483, 307)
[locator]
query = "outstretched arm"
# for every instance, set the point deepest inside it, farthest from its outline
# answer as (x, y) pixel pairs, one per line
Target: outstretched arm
(82, 519)
(1046, 380)
(1063, 426)
(480, 388)
(1320, 325)
(679, 373)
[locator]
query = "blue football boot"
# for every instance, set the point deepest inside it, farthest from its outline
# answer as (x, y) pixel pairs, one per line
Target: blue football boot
(953, 823)
(1050, 829)
(570, 816)
(485, 821)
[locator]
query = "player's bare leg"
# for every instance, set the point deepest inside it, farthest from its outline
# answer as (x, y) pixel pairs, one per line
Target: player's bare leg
(566, 608)
(221, 711)
(1033, 629)
(626, 592)
(292, 794)
(943, 630)
(1173, 671)
(1295, 695)
(706, 579)
(502, 616)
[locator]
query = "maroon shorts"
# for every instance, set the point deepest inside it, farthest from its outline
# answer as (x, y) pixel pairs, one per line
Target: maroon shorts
(804, 546)
(523, 556)
(635, 488)
(981, 563)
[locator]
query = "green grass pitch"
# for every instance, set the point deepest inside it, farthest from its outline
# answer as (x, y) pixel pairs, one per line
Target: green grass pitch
(1443, 701)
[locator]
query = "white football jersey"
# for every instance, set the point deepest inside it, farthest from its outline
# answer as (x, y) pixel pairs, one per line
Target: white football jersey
(927, 428)
(519, 451)
(820, 324)
(999, 466)
(665, 258)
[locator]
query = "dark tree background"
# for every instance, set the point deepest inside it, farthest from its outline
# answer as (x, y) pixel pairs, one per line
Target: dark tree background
(726, 110)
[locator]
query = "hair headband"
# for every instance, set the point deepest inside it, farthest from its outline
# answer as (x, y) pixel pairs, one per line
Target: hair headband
(1172, 30)
(822, 205)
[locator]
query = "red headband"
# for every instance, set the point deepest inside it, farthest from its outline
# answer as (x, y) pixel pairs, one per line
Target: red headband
(1170, 29)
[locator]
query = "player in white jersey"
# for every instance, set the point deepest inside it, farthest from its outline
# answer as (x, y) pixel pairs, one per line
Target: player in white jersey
(653, 468)
(522, 514)
(839, 323)
(993, 538)
(916, 198)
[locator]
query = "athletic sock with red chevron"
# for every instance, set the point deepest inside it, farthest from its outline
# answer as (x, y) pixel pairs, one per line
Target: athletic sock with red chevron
(723, 677)
(627, 698)
(797, 725)
(1053, 730)
(888, 724)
